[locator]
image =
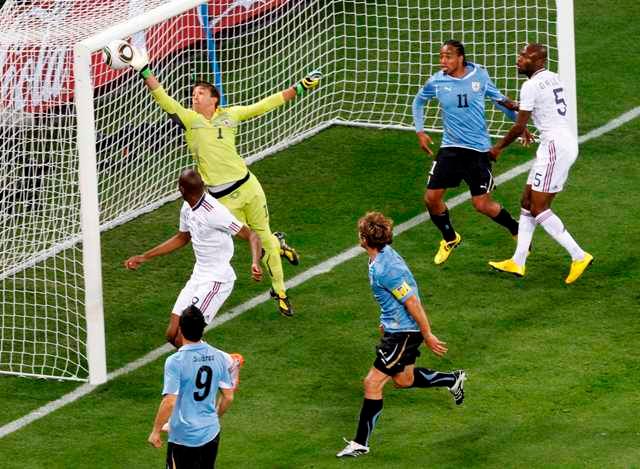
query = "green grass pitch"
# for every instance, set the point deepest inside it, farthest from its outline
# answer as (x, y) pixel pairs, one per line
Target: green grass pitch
(553, 369)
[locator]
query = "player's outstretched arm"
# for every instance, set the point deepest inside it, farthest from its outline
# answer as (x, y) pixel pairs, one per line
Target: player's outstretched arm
(510, 108)
(415, 309)
(308, 83)
(177, 241)
(417, 109)
(256, 251)
(140, 63)
(516, 130)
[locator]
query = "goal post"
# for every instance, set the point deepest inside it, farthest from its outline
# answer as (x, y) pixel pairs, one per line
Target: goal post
(78, 140)
(567, 57)
(88, 175)
(89, 216)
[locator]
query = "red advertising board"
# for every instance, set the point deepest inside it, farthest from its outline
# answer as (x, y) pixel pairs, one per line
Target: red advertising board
(36, 75)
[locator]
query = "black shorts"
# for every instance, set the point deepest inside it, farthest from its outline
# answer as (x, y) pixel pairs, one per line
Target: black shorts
(454, 164)
(193, 457)
(397, 350)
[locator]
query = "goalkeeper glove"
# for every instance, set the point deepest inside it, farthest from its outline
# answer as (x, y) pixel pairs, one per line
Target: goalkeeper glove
(140, 62)
(308, 83)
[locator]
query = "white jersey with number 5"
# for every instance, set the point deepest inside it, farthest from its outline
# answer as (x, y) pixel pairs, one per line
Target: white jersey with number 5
(543, 95)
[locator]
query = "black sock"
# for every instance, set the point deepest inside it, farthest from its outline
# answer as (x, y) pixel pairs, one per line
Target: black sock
(371, 410)
(505, 219)
(426, 378)
(444, 225)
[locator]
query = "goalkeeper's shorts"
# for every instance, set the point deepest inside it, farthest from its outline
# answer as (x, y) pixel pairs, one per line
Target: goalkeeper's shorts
(249, 205)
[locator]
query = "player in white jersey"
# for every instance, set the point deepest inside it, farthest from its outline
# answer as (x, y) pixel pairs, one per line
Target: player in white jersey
(209, 226)
(542, 97)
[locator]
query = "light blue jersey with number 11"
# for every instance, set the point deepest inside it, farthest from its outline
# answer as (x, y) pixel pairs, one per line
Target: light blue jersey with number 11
(195, 373)
(462, 103)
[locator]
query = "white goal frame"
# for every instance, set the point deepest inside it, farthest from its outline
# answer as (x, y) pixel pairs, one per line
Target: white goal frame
(88, 177)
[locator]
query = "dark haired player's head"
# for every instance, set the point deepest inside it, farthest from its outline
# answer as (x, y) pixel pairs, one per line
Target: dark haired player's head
(190, 185)
(192, 324)
(209, 87)
(452, 58)
(205, 98)
(459, 48)
(375, 231)
(532, 58)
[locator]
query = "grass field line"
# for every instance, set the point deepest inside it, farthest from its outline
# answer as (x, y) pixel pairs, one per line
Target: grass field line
(323, 267)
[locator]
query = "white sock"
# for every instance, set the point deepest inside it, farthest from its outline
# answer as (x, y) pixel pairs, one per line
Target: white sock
(554, 226)
(526, 227)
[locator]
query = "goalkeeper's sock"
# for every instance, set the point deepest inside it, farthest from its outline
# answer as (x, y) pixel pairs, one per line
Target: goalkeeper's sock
(444, 225)
(426, 378)
(505, 219)
(371, 410)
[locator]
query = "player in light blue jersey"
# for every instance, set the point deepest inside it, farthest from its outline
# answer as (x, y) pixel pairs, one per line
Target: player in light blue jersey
(461, 89)
(404, 326)
(192, 377)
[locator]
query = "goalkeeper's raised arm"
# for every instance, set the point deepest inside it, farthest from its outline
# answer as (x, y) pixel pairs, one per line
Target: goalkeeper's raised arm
(140, 63)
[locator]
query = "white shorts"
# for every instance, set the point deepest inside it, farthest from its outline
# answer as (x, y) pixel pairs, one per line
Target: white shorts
(554, 158)
(206, 295)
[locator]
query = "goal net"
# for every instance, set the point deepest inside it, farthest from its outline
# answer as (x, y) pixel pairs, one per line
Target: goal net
(79, 144)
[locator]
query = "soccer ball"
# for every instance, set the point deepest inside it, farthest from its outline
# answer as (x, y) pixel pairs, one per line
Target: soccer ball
(117, 54)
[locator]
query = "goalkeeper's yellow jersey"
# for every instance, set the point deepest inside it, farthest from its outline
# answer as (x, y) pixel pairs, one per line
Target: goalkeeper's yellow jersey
(213, 141)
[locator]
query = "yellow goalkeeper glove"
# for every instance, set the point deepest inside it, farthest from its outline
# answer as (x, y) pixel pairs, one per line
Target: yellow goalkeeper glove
(308, 83)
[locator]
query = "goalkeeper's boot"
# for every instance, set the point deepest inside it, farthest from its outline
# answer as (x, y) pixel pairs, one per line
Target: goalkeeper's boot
(509, 266)
(444, 251)
(578, 267)
(287, 251)
(284, 305)
(352, 450)
(457, 390)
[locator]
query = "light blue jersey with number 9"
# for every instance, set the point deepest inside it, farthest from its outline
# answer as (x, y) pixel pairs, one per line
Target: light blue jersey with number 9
(195, 373)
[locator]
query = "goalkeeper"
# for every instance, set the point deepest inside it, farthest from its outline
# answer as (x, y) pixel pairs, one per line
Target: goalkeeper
(210, 133)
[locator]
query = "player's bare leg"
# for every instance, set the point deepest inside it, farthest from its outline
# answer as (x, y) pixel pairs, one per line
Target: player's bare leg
(487, 206)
